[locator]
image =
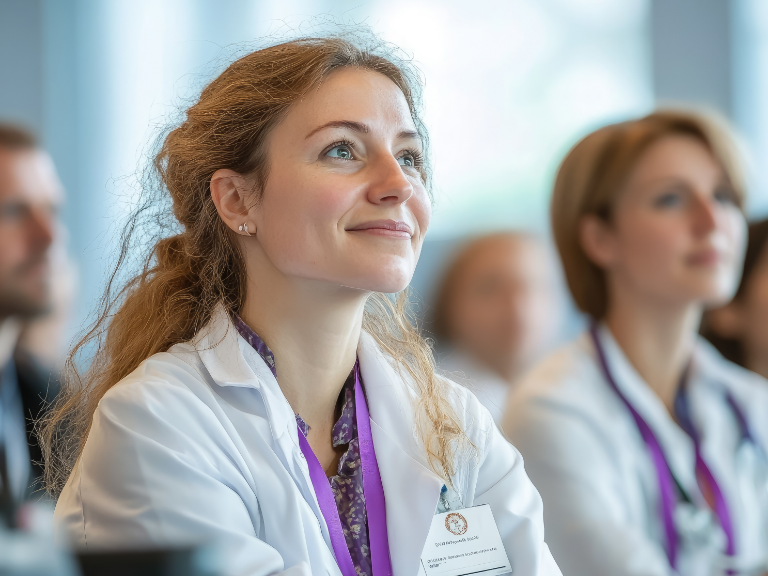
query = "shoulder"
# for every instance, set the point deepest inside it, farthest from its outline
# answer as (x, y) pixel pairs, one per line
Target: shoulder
(163, 409)
(475, 418)
(397, 400)
(748, 389)
(739, 380)
(568, 377)
(564, 398)
(165, 386)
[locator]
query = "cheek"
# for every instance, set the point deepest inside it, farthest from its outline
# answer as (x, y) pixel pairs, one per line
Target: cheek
(468, 315)
(734, 230)
(734, 238)
(487, 314)
(298, 216)
(651, 245)
(421, 207)
(291, 198)
(12, 246)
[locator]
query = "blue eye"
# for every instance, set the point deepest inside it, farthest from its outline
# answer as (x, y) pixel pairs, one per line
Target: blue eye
(411, 159)
(668, 200)
(342, 151)
(407, 160)
(12, 211)
(725, 196)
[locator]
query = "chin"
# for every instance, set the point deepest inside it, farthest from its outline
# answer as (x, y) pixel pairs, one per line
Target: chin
(388, 275)
(378, 281)
(716, 299)
(713, 295)
(387, 286)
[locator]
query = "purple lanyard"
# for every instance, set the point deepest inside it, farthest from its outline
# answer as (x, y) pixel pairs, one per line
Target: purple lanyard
(372, 488)
(682, 410)
(664, 475)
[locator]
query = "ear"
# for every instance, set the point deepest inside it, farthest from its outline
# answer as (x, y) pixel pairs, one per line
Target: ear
(598, 241)
(229, 192)
(728, 321)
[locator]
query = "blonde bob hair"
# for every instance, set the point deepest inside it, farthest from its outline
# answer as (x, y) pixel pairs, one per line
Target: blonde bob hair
(593, 174)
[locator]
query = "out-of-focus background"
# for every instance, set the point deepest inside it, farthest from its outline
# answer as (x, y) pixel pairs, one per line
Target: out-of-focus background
(510, 86)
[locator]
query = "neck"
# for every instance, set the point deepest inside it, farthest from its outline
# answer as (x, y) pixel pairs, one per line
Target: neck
(657, 338)
(313, 330)
(756, 361)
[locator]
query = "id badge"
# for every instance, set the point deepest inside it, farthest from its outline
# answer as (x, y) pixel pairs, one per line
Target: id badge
(462, 542)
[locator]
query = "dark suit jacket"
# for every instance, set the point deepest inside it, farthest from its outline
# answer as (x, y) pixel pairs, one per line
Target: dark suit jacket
(38, 387)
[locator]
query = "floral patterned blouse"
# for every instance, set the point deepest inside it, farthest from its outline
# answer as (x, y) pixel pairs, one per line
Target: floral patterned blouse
(347, 484)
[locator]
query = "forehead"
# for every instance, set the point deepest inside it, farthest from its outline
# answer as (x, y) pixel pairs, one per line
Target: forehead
(358, 95)
(509, 250)
(28, 175)
(677, 156)
(508, 256)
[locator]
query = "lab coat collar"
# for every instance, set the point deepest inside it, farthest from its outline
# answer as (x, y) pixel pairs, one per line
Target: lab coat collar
(711, 369)
(676, 444)
(231, 361)
(217, 345)
(412, 487)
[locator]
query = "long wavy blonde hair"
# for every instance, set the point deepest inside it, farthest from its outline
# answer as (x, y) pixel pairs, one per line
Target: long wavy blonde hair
(194, 264)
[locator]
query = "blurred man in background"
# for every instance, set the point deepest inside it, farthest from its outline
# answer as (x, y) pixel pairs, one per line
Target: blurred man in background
(30, 196)
(497, 312)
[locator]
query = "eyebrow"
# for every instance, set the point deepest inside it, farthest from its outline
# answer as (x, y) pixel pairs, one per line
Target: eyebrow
(360, 127)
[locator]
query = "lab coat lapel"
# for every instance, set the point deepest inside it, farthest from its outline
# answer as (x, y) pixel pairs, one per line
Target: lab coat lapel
(232, 362)
(411, 489)
(216, 344)
(714, 370)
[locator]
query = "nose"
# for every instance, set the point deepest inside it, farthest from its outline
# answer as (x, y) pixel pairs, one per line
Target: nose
(704, 215)
(389, 184)
(42, 229)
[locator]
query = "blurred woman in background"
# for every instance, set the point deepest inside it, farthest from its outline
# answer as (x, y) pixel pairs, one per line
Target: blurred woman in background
(739, 330)
(648, 447)
(496, 313)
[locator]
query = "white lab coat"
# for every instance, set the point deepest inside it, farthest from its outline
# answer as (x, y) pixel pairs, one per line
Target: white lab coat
(489, 388)
(585, 454)
(199, 444)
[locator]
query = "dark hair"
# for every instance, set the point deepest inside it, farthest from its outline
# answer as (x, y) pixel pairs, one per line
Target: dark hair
(730, 348)
(14, 137)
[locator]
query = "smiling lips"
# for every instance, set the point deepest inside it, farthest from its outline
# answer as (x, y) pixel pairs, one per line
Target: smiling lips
(389, 228)
(708, 257)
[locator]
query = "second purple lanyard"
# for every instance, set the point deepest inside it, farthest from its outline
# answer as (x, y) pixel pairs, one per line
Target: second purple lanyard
(666, 482)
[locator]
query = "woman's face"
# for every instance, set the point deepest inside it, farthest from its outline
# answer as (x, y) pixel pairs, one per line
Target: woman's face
(344, 201)
(676, 234)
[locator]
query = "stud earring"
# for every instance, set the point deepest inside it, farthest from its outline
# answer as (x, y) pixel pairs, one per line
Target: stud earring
(244, 228)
